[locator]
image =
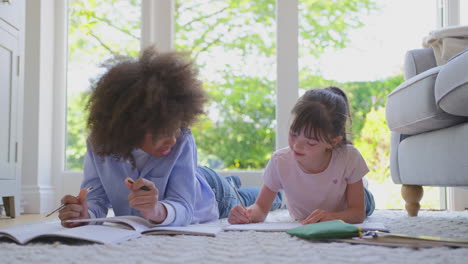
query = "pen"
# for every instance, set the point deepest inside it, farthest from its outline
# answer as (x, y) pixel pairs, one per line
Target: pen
(237, 193)
(63, 205)
(144, 187)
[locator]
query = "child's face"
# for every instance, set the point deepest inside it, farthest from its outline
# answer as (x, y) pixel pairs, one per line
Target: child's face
(159, 147)
(308, 148)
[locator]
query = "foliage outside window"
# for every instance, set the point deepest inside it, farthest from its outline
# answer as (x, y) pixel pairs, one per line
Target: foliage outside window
(98, 31)
(234, 44)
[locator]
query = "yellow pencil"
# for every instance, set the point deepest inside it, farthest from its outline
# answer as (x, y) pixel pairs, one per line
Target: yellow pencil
(63, 205)
(237, 193)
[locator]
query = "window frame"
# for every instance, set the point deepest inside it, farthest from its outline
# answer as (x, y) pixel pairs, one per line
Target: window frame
(448, 13)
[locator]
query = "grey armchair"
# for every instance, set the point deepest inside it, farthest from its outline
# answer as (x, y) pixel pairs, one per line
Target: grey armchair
(428, 118)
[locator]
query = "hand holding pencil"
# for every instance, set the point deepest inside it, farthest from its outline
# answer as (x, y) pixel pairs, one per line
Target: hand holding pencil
(237, 193)
(144, 197)
(73, 207)
(240, 214)
(257, 212)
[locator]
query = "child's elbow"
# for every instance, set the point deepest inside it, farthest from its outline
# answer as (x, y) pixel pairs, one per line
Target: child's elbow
(361, 216)
(358, 217)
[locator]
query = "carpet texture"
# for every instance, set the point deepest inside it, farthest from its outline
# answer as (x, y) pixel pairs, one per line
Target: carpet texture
(260, 247)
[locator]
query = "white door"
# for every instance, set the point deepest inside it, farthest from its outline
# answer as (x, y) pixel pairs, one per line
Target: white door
(8, 103)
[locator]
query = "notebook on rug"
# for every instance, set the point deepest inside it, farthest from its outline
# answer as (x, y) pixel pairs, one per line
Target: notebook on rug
(285, 226)
(400, 240)
(23, 234)
(263, 227)
(145, 227)
(118, 229)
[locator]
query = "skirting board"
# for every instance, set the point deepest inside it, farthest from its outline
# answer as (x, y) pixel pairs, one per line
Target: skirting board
(457, 198)
(38, 199)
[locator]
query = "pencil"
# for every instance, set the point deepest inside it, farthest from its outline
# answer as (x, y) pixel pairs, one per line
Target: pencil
(63, 205)
(144, 187)
(237, 193)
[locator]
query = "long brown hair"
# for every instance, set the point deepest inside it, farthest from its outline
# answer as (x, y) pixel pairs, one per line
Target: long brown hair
(158, 93)
(323, 114)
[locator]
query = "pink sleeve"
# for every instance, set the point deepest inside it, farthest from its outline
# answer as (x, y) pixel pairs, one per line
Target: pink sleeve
(271, 176)
(356, 167)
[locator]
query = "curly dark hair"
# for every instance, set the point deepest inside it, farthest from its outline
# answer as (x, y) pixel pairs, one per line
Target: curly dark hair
(158, 93)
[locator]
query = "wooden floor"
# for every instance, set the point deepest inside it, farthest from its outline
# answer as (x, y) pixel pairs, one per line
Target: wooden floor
(24, 219)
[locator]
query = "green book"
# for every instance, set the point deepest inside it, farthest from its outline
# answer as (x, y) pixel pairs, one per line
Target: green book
(326, 230)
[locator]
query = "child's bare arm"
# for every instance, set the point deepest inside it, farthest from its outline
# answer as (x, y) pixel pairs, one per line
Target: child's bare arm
(354, 214)
(256, 212)
(264, 201)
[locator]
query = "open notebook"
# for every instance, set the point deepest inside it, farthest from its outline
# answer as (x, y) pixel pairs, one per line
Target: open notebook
(285, 226)
(113, 230)
(47, 230)
(401, 240)
(145, 227)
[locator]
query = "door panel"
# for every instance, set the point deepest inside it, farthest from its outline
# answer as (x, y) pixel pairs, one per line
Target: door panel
(8, 90)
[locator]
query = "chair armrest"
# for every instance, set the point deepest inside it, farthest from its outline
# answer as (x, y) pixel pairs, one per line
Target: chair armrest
(417, 61)
(451, 87)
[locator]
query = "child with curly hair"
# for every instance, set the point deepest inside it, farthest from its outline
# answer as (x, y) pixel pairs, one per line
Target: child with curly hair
(320, 172)
(141, 157)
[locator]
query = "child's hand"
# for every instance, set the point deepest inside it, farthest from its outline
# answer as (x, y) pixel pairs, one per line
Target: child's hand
(146, 201)
(239, 215)
(318, 216)
(77, 208)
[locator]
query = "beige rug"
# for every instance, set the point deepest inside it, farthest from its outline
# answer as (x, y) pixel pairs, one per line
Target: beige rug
(260, 247)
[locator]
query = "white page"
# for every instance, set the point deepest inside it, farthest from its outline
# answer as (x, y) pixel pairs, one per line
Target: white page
(137, 223)
(93, 233)
(144, 226)
(285, 226)
(98, 233)
(265, 226)
(198, 229)
(24, 233)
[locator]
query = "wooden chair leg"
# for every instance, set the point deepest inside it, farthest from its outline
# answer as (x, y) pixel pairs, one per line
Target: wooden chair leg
(412, 194)
(9, 204)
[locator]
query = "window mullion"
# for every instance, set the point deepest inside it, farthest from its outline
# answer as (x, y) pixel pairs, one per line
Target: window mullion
(287, 66)
(448, 13)
(157, 24)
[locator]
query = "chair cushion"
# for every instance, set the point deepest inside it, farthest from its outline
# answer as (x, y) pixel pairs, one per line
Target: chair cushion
(411, 107)
(418, 61)
(451, 87)
(436, 158)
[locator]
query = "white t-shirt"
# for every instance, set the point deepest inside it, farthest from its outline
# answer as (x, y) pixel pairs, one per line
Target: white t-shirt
(306, 192)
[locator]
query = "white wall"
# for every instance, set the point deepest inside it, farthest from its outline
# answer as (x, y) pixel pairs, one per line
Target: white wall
(37, 184)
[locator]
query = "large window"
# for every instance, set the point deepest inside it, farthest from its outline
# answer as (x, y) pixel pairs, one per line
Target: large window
(358, 45)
